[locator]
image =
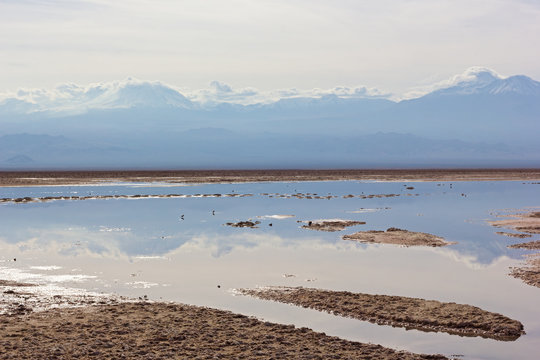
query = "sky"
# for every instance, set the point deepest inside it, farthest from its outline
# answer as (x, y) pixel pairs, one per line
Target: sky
(393, 45)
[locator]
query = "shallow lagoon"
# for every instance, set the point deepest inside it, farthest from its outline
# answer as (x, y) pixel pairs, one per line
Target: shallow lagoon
(140, 247)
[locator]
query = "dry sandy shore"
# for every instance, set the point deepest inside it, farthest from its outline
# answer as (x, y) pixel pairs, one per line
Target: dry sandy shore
(170, 331)
(410, 313)
(28, 178)
(528, 224)
(397, 237)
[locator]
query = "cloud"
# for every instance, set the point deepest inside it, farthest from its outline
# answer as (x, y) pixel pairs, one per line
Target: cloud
(474, 76)
(220, 92)
(72, 98)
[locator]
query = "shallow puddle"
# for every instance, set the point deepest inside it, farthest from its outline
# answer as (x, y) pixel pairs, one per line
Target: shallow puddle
(179, 249)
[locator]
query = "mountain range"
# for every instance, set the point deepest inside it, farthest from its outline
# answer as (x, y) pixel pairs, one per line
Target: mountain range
(477, 118)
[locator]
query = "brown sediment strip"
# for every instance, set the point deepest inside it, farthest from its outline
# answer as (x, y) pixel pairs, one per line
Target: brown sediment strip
(30, 178)
(525, 222)
(519, 236)
(398, 237)
(529, 223)
(241, 224)
(171, 331)
(331, 225)
(531, 245)
(398, 311)
(14, 283)
(107, 197)
(528, 272)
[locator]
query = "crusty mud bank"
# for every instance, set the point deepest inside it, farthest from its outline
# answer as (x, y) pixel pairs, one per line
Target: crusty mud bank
(531, 245)
(398, 311)
(528, 224)
(514, 235)
(525, 222)
(29, 178)
(529, 271)
(29, 199)
(18, 298)
(331, 225)
(310, 196)
(242, 224)
(397, 237)
(171, 331)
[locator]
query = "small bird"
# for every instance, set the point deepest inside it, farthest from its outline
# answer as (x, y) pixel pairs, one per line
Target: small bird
(213, 212)
(182, 217)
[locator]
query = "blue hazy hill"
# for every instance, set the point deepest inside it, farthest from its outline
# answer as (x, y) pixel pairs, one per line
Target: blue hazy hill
(477, 119)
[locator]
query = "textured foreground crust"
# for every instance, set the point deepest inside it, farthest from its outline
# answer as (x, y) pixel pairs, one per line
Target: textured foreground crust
(171, 331)
(529, 271)
(525, 222)
(528, 223)
(398, 237)
(398, 311)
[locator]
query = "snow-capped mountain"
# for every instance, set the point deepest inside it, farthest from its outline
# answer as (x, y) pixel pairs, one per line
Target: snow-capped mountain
(141, 94)
(75, 99)
(479, 80)
(69, 99)
(475, 118)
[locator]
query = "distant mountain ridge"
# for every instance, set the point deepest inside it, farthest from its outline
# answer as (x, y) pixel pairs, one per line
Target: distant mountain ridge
(485, 81)
(477, 117)
(133, 93)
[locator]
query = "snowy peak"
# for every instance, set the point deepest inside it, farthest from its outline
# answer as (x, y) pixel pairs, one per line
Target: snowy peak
(519, 84)
(73, 99)
(142, 94)
(479, 80)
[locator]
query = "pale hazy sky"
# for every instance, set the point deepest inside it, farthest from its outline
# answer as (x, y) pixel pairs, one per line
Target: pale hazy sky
(268, 44)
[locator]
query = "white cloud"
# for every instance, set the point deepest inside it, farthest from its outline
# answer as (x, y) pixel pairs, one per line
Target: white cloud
(72, 98)
(223, 93)
(473, 77)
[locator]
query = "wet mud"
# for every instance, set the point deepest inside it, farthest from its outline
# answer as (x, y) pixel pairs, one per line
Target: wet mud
(398, 311)
(331, 225)
(145, 330)
(525, 222)
(528, 223)
(529, 271)
(242, 224)
(514, 235)
(397, 237)
(107, 197)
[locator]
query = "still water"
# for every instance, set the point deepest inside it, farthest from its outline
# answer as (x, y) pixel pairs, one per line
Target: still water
(178, 249)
